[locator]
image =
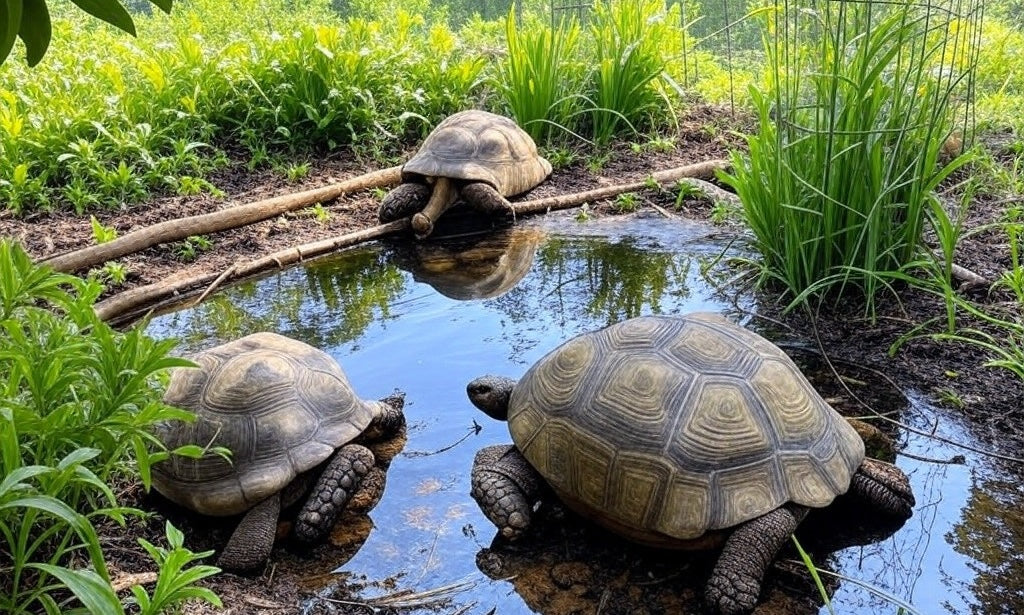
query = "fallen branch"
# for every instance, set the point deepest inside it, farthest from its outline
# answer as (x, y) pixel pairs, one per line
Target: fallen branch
(131, 300)
(225, 219)
(132, 579)
(566, 201)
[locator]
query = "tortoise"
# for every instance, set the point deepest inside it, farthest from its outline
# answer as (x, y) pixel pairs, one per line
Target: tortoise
(293, 425)
(685, 432)
(478, 156)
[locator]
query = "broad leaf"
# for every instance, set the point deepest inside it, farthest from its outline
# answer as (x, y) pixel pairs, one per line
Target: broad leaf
(95, 593)
(109, 11)
(35, 30)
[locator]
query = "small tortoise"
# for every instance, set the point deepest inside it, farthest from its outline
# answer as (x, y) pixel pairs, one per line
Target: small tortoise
(680, 432)
(290, 418)
(478, 156)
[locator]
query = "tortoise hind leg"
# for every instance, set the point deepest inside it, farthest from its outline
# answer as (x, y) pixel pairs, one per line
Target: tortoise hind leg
(885, 487)
(506, 487)
(735, 582)
(403, 201)
(487, 200)
(332, 492)
(251, 542)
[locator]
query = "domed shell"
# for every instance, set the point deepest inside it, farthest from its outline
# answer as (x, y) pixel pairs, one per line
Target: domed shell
(281, 406)
(479, 146)
(663, 428)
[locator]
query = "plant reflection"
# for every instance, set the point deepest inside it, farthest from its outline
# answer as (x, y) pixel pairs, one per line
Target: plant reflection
(328, 303)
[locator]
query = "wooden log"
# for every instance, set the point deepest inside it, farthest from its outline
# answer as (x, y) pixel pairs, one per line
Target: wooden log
(232, 217)
(565, 201)
(134, 300)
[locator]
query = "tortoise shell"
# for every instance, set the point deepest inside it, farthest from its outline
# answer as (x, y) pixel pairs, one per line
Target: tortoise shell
(663, 428)
(281, 406)
(479, 146)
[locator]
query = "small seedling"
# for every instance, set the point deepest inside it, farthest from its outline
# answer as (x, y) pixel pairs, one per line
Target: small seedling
(950, 397)
(192, 246)
(722, 212)
(560, 157)
(685, 190)
(627, 202)
(636, 148)
(101, 233)
(583, 214)
(295, 172)
(116, 273)
(652, 184)
(379, 193)
(597, 162)
(661, 145)
(320, 213)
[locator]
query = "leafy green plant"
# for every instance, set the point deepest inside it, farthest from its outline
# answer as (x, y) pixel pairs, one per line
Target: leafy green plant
(192, 246)
(175, 582)
(101, 233)
(320, 213)
(628, 38)
(560, 157)
(77, 401)
(297, 171)
(627, 202)
(1013, 278)
(112, 272)
(838, 190)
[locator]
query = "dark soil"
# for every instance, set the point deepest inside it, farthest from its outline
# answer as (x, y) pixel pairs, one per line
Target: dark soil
(992, 398)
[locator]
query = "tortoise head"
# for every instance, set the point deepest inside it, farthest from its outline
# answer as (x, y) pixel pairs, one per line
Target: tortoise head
(491, 394)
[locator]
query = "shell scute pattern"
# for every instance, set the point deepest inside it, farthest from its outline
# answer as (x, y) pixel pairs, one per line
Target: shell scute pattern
(279, 405)
(476, 145)
(689, 423)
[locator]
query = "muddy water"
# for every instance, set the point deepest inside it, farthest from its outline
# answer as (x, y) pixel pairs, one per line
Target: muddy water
(428, 320)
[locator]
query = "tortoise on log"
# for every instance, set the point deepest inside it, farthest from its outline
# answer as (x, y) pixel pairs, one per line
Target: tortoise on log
(474, 155)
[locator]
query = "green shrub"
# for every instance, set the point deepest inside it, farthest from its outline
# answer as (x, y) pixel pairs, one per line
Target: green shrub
(77, 401)
(628, 37)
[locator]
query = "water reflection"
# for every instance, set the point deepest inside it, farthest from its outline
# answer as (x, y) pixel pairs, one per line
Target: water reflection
(991, 532)
(480, 267)
(326, 304)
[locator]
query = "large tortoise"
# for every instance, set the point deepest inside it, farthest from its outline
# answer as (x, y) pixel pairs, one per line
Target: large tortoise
(679, 432)
(291, 420)
(478, 156)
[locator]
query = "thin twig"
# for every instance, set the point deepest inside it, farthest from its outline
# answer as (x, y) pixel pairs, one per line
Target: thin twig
(213, 285)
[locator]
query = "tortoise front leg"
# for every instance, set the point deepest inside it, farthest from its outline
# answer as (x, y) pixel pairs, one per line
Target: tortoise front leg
(444, 195)
(404, 200)
(506, 487)
(251, 542)
(884, 487)
(335, 486)
(735, 582)
(487, 200)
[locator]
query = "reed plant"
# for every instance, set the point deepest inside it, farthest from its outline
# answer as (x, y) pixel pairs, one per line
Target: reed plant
(627, 38)
(541, 79)
(840, 177)
(77, 401)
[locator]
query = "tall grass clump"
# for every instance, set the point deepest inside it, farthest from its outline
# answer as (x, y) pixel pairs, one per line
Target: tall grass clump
(77, 401)
(541, 77)
(840, 177)
(628, 38)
